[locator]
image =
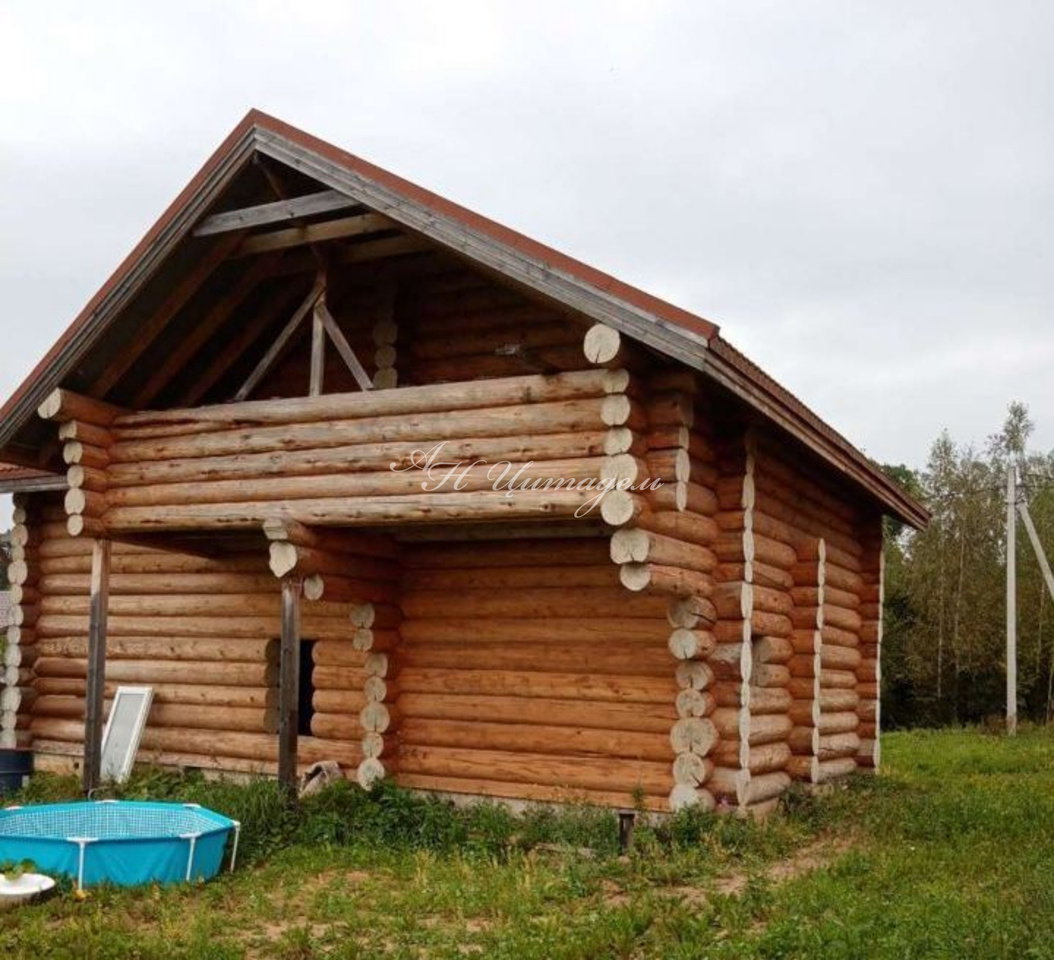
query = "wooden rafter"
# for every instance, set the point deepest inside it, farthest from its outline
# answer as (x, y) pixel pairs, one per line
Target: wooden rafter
(282, 340)
(263, 214)
(203, 330)
(177, 298)
(248, 334)
(357, 225)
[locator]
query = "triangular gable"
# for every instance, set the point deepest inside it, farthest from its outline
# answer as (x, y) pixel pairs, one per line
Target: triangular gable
(483, 243)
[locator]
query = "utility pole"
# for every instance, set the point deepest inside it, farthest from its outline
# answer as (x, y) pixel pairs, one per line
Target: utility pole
(1011, 599)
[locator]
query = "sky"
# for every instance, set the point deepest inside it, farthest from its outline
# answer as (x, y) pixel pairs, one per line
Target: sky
(861, 195)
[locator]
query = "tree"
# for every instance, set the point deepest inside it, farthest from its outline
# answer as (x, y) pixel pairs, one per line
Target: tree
(944, 647)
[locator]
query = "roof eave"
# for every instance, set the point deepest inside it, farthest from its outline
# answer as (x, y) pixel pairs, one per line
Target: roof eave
(128, 279)
(846, 458)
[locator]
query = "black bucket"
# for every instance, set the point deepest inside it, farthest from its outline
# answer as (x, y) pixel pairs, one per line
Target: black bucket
(16, 765)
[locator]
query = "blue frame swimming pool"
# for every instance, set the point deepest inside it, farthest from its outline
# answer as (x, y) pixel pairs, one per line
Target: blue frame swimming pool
(124, 842)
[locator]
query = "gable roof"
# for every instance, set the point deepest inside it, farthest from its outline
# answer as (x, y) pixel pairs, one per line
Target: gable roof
(664, 327)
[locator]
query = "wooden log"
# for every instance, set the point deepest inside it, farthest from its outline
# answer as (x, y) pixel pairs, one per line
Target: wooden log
(530, 684)
(621, 507)
(691, 612)
(192, 649)
(209, 694)
(694, 675)
(529, 738)
(185, 716)
(596, 773)
(317, 627)
(613, 658)
(514, 630)
(191, 604)
(770, 675)
(636, 545)
(693, 703)
(761, 759)
(672, 581)
(693, 735)
(669, 466)
(162, 671)
(359, 458)
(433, 398)
(534, 604)
(367, 510)
(602, 344)
(773, 650)
(378, 717)
(516, 578)
(502, 476)
(336, 726)
(687, 644)
(86, 433)
(684, 525)
(656, 717)
(836, 723)
(766, 786)
(691, 769)
(833, 769)
(838, 745)
(64, 405)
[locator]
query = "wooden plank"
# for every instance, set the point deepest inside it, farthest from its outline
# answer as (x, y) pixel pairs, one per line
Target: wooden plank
(343, 347)
(289, 684)
(357, 225)
(203, 330)
(379, 249)
(263, 214)
(96, 669)
(281, 341)
(177, 298)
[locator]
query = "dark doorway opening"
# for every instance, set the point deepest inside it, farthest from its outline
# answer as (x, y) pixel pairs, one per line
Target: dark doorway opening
(306, 695)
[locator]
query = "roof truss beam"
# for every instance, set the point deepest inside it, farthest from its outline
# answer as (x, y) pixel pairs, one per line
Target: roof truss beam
(357, 225)
(323, 325)
(519, 266)
(264, 214)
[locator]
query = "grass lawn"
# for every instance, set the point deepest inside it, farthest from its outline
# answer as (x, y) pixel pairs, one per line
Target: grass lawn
(949, 853)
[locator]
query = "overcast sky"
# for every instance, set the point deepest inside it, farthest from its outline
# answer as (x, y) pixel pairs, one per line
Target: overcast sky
(859, 194)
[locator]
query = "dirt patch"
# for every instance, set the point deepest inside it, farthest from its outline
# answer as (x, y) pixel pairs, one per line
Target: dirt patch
(815, 856)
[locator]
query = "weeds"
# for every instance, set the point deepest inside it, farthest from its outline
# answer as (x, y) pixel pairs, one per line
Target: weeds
(949, 853)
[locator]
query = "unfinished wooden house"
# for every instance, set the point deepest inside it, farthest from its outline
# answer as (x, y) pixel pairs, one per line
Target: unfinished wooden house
(653, 575)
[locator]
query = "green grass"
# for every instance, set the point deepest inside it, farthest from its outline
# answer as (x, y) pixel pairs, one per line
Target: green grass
(950, 853)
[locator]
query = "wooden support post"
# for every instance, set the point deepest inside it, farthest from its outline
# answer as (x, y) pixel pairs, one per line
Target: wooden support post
(289, 684)
(343, 347)
(96, 672)
(318, 351)
(282, 340)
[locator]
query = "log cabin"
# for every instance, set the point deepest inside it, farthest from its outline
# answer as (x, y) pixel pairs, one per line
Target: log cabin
(345, 471)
